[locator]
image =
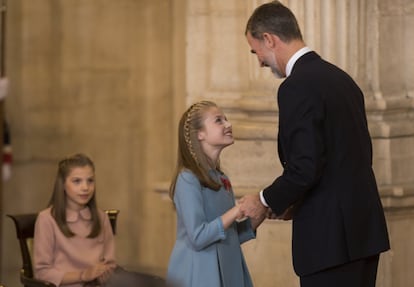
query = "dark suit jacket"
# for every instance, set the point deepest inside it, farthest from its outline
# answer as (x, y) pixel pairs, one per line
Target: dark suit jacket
(326, 151)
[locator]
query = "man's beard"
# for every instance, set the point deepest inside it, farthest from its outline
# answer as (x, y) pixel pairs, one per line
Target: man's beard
(276, 73)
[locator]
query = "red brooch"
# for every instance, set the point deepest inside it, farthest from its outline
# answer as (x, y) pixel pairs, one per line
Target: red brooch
(226, 183)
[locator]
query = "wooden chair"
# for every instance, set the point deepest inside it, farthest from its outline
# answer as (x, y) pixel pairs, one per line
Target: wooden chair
(24, 224)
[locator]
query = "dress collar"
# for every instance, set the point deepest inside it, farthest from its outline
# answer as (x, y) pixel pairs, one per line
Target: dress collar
(73, 215)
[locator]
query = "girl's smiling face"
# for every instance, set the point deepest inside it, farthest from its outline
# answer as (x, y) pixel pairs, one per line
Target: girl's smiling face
(217, 131)
(79, 187)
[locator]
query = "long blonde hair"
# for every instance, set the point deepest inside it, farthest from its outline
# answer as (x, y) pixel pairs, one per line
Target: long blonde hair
(190, 154)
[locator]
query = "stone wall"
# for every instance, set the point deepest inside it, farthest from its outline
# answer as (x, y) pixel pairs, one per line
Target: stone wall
(99, 77)
(111, 79)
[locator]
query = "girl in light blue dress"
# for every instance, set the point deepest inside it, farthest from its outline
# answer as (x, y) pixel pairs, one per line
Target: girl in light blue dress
(210, 228)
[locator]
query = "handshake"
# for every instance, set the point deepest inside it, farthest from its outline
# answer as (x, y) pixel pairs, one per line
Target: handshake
(251, 206)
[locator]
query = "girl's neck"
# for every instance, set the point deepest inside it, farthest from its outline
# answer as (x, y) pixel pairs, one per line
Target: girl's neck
(75, 207)
(213, 164)
(213, 158)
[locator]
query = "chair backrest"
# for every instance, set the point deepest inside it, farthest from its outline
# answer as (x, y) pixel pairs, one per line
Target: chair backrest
(24, 224)
(113, 216)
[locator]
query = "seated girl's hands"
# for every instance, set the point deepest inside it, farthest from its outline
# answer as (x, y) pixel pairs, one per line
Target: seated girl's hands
(100, 271)
(109, 269)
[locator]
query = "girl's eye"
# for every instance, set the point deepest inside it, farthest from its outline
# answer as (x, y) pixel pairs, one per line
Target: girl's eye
(219, 120)
(91, 180)
(76, 180)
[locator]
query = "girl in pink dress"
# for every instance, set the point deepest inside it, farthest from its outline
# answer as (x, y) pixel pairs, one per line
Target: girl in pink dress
(73, 240)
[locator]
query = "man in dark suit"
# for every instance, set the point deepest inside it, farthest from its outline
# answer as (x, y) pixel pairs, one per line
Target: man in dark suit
(327, 186)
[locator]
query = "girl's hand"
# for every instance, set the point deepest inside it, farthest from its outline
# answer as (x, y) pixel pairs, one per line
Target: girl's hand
(240, 214)
(94, 272)
(233, 214)
(109, 270)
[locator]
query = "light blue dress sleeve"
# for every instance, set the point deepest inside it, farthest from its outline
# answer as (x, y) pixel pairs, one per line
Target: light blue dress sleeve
(189, 203)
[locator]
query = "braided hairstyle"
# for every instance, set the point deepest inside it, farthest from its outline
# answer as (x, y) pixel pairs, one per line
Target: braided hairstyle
(190, 154)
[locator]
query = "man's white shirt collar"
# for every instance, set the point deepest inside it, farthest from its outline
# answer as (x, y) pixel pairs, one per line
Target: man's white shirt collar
(294, 58)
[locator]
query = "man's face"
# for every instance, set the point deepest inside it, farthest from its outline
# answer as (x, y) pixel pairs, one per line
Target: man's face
(265, 55)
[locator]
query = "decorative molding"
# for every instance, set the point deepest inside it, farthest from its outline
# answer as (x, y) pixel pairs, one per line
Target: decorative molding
(395, 198)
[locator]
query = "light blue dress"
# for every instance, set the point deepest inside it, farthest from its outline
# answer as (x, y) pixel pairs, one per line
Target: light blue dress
(204, 254)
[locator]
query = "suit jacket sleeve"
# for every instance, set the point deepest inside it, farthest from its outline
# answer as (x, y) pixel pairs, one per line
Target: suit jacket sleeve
(301, 146)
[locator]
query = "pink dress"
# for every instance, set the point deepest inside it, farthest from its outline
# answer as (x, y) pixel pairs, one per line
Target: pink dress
(54, 254)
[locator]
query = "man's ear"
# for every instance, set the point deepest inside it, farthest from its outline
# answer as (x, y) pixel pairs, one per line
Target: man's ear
(269, 40)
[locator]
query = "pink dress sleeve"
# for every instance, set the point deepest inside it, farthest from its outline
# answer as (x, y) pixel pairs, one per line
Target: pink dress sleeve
(43, 249)
(109, 241)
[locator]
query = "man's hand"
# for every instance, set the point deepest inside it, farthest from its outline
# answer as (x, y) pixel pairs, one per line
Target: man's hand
(251, 206)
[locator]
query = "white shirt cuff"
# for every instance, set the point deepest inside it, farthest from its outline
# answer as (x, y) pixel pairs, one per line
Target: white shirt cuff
(262, 199)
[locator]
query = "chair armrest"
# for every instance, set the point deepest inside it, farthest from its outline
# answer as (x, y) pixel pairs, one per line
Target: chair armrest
(32, 282)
